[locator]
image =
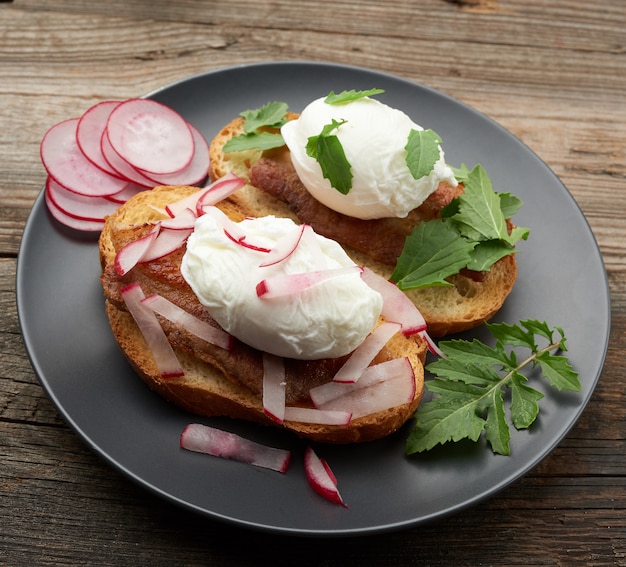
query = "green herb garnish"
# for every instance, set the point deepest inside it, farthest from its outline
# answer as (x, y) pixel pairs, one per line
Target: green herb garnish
(422, 152)
(475, 227)
(328, 151)
(270, 115)
(349, 96)
(472, 379)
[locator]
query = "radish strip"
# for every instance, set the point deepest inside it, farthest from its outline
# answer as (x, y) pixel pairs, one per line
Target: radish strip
(374, 374)
(218, 443)
(317, 415)
(274, 387)
(432, 345)
(291, 284)
(184, 220)
(132, 253)
(150, 136)
(285, 246)
(363, 355)
(321, 478)
(89, 132)
(189, 322)
(68, 166)
(219, 190)
(396, 305)
(165, 243)
(162, 351)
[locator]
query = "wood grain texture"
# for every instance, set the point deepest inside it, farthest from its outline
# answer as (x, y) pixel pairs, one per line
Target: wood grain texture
(553, 73)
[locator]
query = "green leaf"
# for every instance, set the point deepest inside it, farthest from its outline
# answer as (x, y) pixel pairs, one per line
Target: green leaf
(328, 151)
(349, 96)
(509, 204)
(471, 382)
(432, 252)
(422, 152)
(254, 141)
(460, 173)
(487, 253)
(271, 114)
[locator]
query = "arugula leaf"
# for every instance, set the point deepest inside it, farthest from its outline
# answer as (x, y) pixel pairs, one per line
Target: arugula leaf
(349, 96)
(432, 252)
(487, 253)
(270, 115)
(328, 151)
(460, 173)
(472, 381)
(422, 152)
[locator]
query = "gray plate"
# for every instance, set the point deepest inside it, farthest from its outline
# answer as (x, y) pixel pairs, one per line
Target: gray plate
(561, 280)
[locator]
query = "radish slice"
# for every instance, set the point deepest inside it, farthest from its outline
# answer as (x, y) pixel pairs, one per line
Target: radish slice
(432, 345)
(79, 206)
(274, 387)
(132, 253)
(71, 222)
(291, 284)
(396, 304)
(377, 397)
(129, 191)
(195, 171)
(68, 166)
(321, 478)
(374, 374)
(194, 325)
(285, 246)
(184, 220)
(363, 355)
(162, 351)
(123, 168)
(150, 136)
(90, 127)
(218, 443)
(219, 190)
(167, 241)
(317, 415)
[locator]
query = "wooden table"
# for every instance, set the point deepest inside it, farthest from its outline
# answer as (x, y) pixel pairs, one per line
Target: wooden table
(553, 73)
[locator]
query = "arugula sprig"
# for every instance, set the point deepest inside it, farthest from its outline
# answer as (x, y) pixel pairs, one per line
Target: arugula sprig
(327, 150)
(349, 96)
(254, 137)
(472, 379)
(472, 233)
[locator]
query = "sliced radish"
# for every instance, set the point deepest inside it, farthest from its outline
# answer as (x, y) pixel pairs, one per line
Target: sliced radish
(317, 415)
(184, 220)
(129, 191)
(162, 351)
(219, 190)
(68, 166)
(69, 221)
(167, 241)
(396, 304)
(388, 370)
(432, 345)
(274, 387)
(285, 246)
(132, 253)
(363, 355)
(321, 478)
(123, 168)
(194, 172)
(150, 136)
(195, 326)
(290, 284)
(89, 132)
(377, 397)
(219, 443)
(78, 206)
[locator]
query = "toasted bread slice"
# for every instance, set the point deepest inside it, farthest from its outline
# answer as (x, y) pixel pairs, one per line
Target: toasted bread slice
(466, 304)
(205, 389)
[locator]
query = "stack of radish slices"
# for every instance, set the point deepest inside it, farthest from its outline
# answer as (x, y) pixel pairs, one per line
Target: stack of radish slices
(114, 150)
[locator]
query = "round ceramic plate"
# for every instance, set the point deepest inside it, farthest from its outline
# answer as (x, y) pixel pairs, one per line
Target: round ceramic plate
(561, 281)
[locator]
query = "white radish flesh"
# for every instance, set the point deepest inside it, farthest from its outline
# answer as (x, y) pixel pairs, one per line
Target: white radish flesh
(79, 206)
(123, 168)
(69, 221)
(218, 443)
(274, 387)
(318, 416)
(132, 253)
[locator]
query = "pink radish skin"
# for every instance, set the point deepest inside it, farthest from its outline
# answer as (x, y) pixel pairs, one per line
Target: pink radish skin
(78, 206)
(321, 480)
(71, 222)
(69, 167)
(291, 284)
(89, 132)
(274, 387)
(218, 191)
(189, 322)
(162, 351)
(218, 443)
(363, 355)
(150, 136)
